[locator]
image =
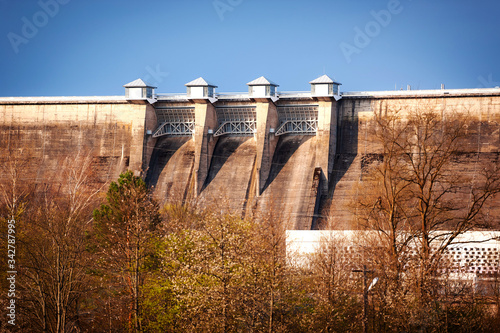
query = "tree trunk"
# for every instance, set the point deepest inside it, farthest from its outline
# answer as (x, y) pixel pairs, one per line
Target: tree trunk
(136, 289)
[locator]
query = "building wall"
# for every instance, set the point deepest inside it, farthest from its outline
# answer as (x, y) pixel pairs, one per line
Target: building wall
(472, 254)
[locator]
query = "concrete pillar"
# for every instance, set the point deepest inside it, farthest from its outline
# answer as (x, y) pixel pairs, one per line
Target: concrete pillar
(267, 117)
(205, 118)
(138, 154)
(326, 136)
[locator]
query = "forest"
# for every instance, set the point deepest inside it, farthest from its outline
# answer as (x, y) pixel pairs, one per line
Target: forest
(110, 258)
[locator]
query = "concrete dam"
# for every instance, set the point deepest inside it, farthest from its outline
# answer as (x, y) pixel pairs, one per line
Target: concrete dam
(299, 153)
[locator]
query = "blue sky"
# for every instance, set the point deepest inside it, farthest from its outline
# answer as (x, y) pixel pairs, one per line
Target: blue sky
(87, 47)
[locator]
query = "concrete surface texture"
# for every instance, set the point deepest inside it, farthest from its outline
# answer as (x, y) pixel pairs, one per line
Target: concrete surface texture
(311, 178)
(355, 143)
(288, 188)
(231, 173)
(112, 131)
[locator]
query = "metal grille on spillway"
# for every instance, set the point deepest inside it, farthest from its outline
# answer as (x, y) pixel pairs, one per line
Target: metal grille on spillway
(301, 119)
(293, 119)
(236, 120)
(175, 121)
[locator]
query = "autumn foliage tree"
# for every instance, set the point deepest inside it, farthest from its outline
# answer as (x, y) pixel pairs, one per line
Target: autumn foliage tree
(220, 272)
(124, 232)
(333, 284)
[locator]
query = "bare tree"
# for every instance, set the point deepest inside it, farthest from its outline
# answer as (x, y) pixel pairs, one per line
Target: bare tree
(419, 197)
(53, 255)
(15, 194)
(418, 186)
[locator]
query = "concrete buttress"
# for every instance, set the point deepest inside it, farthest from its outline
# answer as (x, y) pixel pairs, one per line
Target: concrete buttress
(206, 119)
(267, 117)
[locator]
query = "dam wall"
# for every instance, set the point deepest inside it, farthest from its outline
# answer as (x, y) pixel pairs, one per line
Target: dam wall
(59, 131)
(301, 154)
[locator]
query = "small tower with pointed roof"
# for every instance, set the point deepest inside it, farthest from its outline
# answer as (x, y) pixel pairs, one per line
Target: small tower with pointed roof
(139, 90)
(324, 86)
(200, 89)
(262, 88)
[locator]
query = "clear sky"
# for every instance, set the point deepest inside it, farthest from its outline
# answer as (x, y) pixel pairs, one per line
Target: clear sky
(93, 47)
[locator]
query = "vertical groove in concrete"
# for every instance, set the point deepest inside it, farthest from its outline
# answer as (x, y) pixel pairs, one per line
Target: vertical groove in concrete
(189, 192)
(312, 209)
(249, 203)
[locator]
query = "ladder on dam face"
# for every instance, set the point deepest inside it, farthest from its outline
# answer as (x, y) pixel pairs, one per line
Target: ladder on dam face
(177, 121)
(236, 120)
(297, 119)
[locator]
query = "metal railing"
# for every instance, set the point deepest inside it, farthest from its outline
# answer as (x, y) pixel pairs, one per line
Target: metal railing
(236, 127)
(297, 119)
(174, 128)
(297, 127)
